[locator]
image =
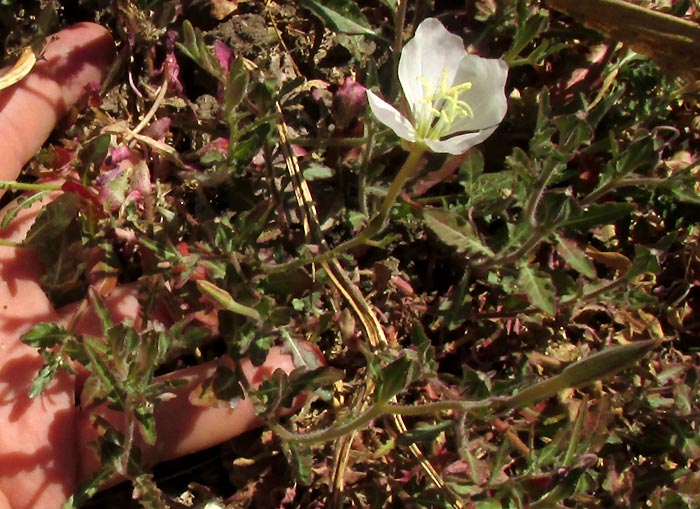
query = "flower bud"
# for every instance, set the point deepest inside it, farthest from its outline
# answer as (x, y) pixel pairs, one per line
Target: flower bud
(349, 102)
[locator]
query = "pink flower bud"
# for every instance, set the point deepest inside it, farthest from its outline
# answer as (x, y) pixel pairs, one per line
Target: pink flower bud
(349, 102)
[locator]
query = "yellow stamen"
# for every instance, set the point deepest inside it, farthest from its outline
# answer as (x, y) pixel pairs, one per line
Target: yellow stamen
(445, 107)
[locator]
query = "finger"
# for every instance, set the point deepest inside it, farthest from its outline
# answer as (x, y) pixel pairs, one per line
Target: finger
(76, 57)
(183, 427)
(37, 436)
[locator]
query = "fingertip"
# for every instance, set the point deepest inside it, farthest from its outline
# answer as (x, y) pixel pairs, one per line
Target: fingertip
(73, 58)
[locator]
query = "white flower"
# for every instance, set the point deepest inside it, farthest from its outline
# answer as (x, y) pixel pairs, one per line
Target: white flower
(456, 99)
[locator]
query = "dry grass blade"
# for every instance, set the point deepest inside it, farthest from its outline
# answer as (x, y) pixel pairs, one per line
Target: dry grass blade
(673, 43)
(368, 320)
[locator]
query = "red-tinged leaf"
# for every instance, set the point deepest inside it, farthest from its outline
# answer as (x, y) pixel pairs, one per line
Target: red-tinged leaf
(75, 187)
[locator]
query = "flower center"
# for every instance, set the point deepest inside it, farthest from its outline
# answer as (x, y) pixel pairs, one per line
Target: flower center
(444, 108)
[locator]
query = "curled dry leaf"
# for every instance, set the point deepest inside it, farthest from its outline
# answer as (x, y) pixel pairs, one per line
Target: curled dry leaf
(220, 9)
(25, 63)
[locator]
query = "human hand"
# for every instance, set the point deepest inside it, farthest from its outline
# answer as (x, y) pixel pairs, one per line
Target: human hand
(44, 442)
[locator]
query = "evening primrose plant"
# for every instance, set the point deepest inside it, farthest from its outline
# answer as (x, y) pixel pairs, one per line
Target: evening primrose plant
(456, 101)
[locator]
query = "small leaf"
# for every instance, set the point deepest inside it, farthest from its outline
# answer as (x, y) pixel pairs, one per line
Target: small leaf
(23, 202)
(45, 375)
(315, 171)
(224, 300)
(300, 458)
(454, 231)
(147, 423)
(342, 16)
(595, 215)
(223, 390)
(93, 154)
(586, 371)
(425, 433)
(195, 48)
(45, 335)
(539, 289)
(51, 223)
(424, 348)
(645, 262)
(525, 34)
(605, 363)
(236, 86)
(393, 378)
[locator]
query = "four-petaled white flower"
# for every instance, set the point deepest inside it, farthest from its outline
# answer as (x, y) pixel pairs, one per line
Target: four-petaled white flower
(456, 99)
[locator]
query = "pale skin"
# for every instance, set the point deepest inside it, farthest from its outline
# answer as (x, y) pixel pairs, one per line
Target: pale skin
(44, 451)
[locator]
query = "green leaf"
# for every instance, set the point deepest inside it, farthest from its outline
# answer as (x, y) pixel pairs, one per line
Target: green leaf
(574, 256)
(425, 433)
(224, 300)
(525, 34)
(300, 458)
(424, 349)
(51, 223)
(596, 215)
(301, 355)
(23, 202)
(645, 262)
(574, 132)
(539, 289)
(340, 15)
(454, 231)
(147, 423)
(193, 46)
(394, 377)
(584, 372)
(45, 375)
(45, 335)
(236, 86)
(93, 154)
(315, 171)
(605, 363)
(101, 311)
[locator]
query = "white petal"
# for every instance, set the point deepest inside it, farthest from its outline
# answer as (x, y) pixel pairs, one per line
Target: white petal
(486, 97)
(459, 144)
(390, 116)
(432, 55)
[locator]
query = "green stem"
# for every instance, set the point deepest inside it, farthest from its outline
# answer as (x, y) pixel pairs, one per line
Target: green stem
(397, 46)
(374, 412)
(328, 142)
(331, 433)
(23, 186)
(406, 172)
(508, 258)
(9, 243)
(367, 155)
(376, 224)
(613, 184)
(536, 196)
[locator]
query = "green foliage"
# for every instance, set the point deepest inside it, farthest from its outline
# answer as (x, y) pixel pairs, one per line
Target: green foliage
(466, 296)
(342, 16)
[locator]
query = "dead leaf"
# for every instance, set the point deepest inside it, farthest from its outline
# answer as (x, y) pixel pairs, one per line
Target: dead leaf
(221, 9)
(610, 259)
(20, 69)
